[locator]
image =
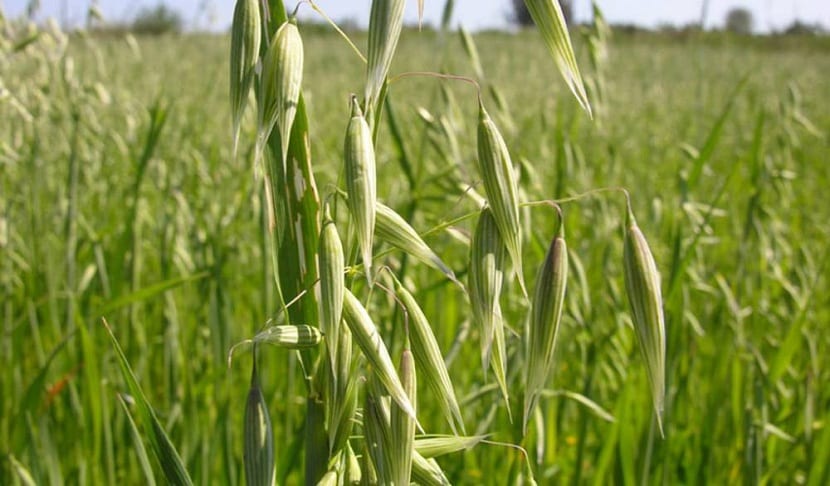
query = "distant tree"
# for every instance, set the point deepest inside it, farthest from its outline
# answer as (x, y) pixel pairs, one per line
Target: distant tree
(800, 28)
(32, 8)
(520, 16)
(739, 21)
(160, 19)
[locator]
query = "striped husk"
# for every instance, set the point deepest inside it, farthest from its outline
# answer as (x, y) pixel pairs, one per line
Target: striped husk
(642, 283)
(546, 315)
(361, 182)
(499, 179)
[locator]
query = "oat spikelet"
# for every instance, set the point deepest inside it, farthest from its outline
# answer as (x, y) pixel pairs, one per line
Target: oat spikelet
(546, 315)
(332, 285)
(402, 425)
(361, 183)
(642, 284)
(393, 229)
(282, 78)
(258, 450)
(548, 17)
(245, 40)
(499, 179)
(290, 337)
(485, 281)
(365, 334)
(385, 23)
(429, 359)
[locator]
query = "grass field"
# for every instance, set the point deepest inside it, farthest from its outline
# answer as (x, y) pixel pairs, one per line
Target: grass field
(121, 198)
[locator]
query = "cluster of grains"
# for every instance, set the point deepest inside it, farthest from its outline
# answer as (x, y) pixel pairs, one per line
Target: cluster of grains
(391, 451)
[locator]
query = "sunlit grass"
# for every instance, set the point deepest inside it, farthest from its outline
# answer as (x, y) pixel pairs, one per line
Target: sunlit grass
(121, 198)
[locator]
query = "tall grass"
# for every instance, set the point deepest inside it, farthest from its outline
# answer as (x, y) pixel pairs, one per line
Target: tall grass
(121, 198)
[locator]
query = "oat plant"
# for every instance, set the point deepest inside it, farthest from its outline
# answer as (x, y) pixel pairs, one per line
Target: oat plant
(333, 288)
(326, 288)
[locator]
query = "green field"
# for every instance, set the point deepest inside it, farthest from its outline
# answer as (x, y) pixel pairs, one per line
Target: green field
(121, 199)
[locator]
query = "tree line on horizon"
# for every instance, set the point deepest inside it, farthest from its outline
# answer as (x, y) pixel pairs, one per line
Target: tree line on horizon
(738, 20)
(164, 19)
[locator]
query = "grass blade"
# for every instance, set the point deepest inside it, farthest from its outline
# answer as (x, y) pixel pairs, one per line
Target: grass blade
(163, 449)
(140, 451)
(378, 434)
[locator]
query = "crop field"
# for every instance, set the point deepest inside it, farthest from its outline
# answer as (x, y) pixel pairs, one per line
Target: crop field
(145, 266)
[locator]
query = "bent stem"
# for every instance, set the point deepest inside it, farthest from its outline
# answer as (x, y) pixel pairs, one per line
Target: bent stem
(432, 74)
(334, 25)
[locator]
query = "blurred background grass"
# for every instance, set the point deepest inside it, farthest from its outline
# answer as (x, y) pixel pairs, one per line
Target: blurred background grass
(120, 198)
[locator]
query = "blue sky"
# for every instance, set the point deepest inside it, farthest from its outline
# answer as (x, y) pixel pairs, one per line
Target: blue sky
(474, 14)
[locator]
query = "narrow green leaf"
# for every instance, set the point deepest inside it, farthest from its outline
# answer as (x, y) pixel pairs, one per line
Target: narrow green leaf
(378, 435)
(148, 292)
(258, 450)
(22, 472)
(163, 449)
(141, 452)
(342, 393)
(472, 52)
(591, 405)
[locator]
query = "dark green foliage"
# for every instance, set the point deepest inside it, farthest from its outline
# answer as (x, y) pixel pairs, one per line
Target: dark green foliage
(157, 20)
(519, 14)
(726, 184)
(739, 21)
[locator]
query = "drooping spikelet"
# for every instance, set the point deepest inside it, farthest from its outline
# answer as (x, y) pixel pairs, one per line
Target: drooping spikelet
(546, 314)
(385, 23)
(642, 284)
(282, 79)
(258, 453)
(485, 282)
(245, 40)
(361, 183)
(548, 17)
(500, 186)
